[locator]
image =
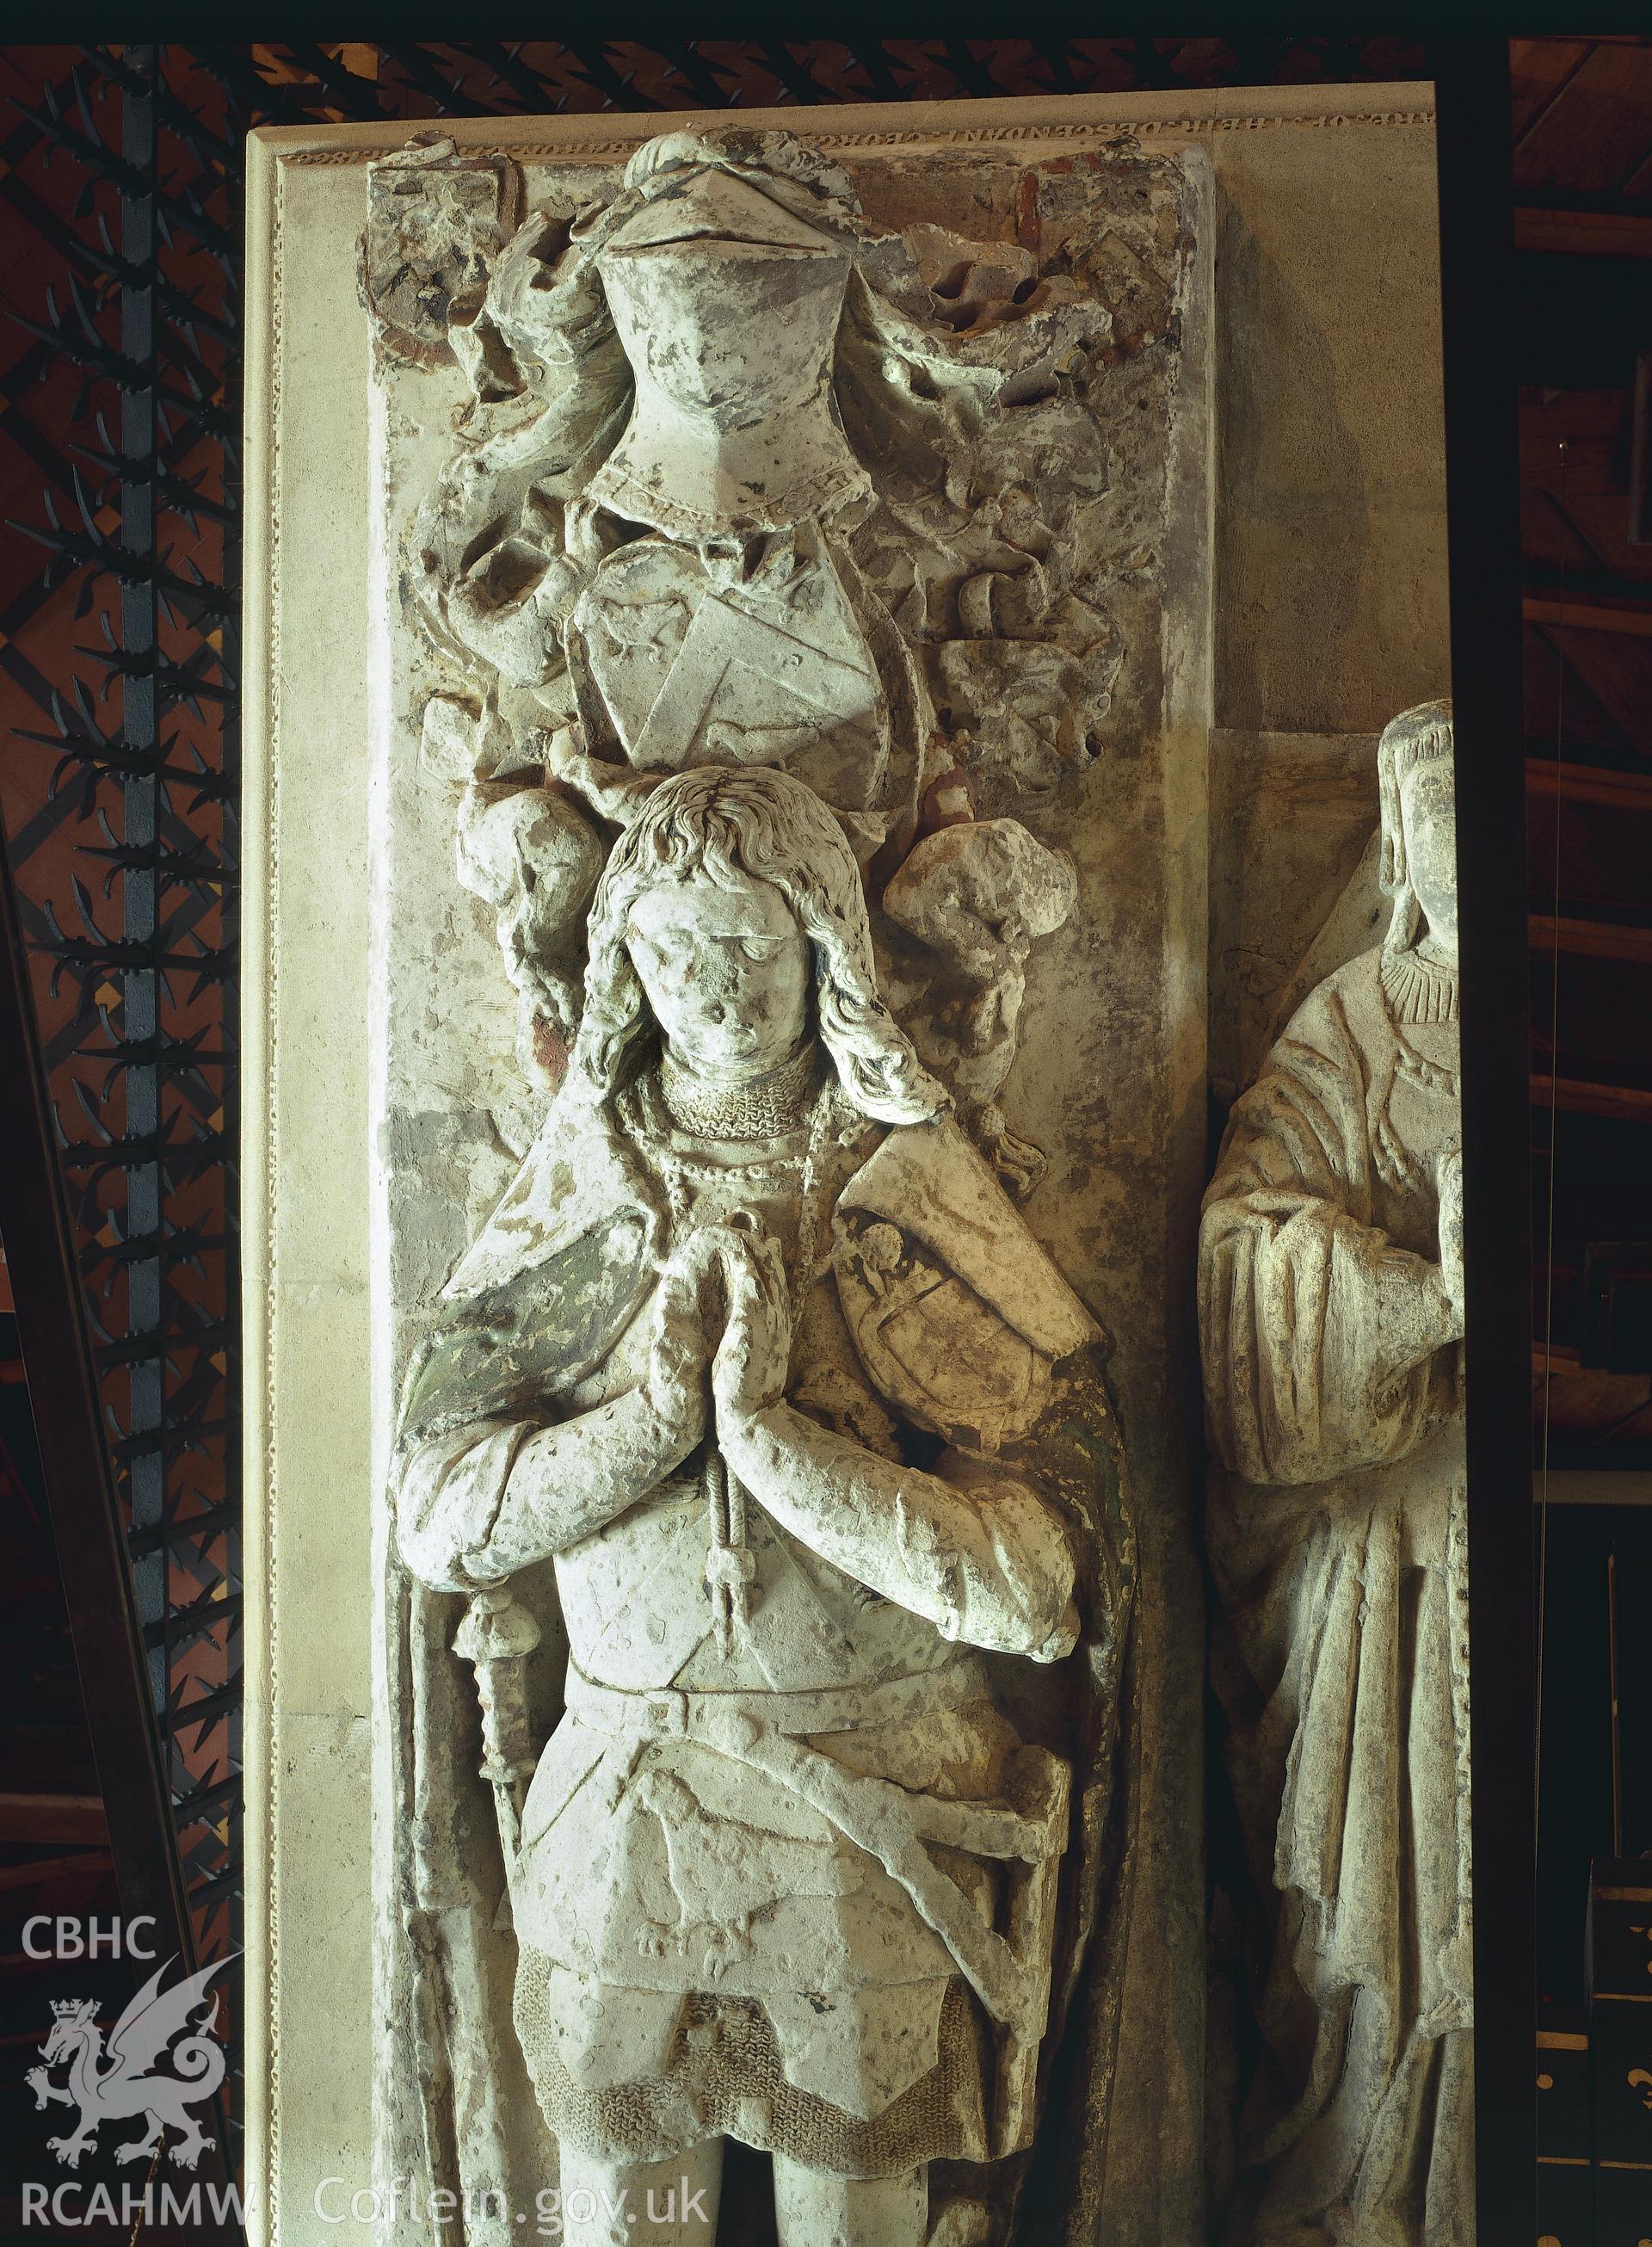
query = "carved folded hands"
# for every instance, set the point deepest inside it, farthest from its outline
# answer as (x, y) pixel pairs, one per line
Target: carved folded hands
(721, 1330)
(749, 1373)
(981, 1557)
(675, 1386)
(986, 1563)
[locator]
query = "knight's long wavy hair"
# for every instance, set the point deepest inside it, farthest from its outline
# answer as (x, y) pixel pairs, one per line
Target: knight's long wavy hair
(728, 825)
(1422, 735)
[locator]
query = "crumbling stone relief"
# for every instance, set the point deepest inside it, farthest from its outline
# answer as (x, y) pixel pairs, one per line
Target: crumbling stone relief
(758, 1354)
(1331, 1312)
(758, 1464)
(745, 478)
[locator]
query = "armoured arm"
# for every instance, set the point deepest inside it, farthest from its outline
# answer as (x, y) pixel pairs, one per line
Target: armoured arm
(481, 1501)
(986, 1561)
(475, 1506)
(988, 1564)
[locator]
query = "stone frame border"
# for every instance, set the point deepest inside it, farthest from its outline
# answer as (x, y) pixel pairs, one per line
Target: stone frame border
(1027, 125)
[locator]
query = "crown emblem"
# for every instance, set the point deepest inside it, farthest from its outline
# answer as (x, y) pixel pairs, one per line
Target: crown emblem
(68, 2009)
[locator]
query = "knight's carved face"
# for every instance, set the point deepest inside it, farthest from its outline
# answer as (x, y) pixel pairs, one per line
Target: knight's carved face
(726, 973)
(1428, 814)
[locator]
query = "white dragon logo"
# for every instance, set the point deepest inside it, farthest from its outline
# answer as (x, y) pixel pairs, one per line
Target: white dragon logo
(129, 2085)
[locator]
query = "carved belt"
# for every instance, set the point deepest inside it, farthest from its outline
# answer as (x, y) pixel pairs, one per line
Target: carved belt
(890, 1823)
(668, 1712)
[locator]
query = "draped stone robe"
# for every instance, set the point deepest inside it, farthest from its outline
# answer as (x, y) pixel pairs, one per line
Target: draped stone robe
(1336, 1538)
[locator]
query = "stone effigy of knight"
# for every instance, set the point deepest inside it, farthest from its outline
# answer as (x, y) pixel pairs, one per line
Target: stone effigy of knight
(764, 1744)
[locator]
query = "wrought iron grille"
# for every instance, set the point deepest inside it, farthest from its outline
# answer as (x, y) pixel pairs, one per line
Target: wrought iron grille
(121, 176)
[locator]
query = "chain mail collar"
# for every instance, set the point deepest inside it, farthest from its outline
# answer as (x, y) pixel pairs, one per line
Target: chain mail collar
(769, 1108)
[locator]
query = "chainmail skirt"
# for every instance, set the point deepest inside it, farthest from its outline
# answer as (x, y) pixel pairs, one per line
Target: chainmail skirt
(724, 2078)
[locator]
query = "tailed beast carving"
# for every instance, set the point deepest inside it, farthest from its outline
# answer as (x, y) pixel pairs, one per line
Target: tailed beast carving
(127, 2082)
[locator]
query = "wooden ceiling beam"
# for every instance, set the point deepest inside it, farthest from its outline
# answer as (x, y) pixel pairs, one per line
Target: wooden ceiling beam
(1544, 580)
(1609, 673)
(49, 1873)
(27, 1818)
(1541, 70)
(1620, 792)
(1557, 1357)
(1596, 613)
(1624, 1103)
(1590, 940)
(1582, 233)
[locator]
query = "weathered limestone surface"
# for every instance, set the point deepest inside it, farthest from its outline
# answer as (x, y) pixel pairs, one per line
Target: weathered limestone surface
(906, 514)
(1293, 870)
(1331, 606)
(1331, 1322)
(432, 971)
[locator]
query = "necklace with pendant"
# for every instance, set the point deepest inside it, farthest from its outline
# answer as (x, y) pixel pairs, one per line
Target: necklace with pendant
(648, 1110)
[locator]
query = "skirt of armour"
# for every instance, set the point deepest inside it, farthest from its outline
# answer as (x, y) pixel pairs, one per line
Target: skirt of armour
(724, 2079)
